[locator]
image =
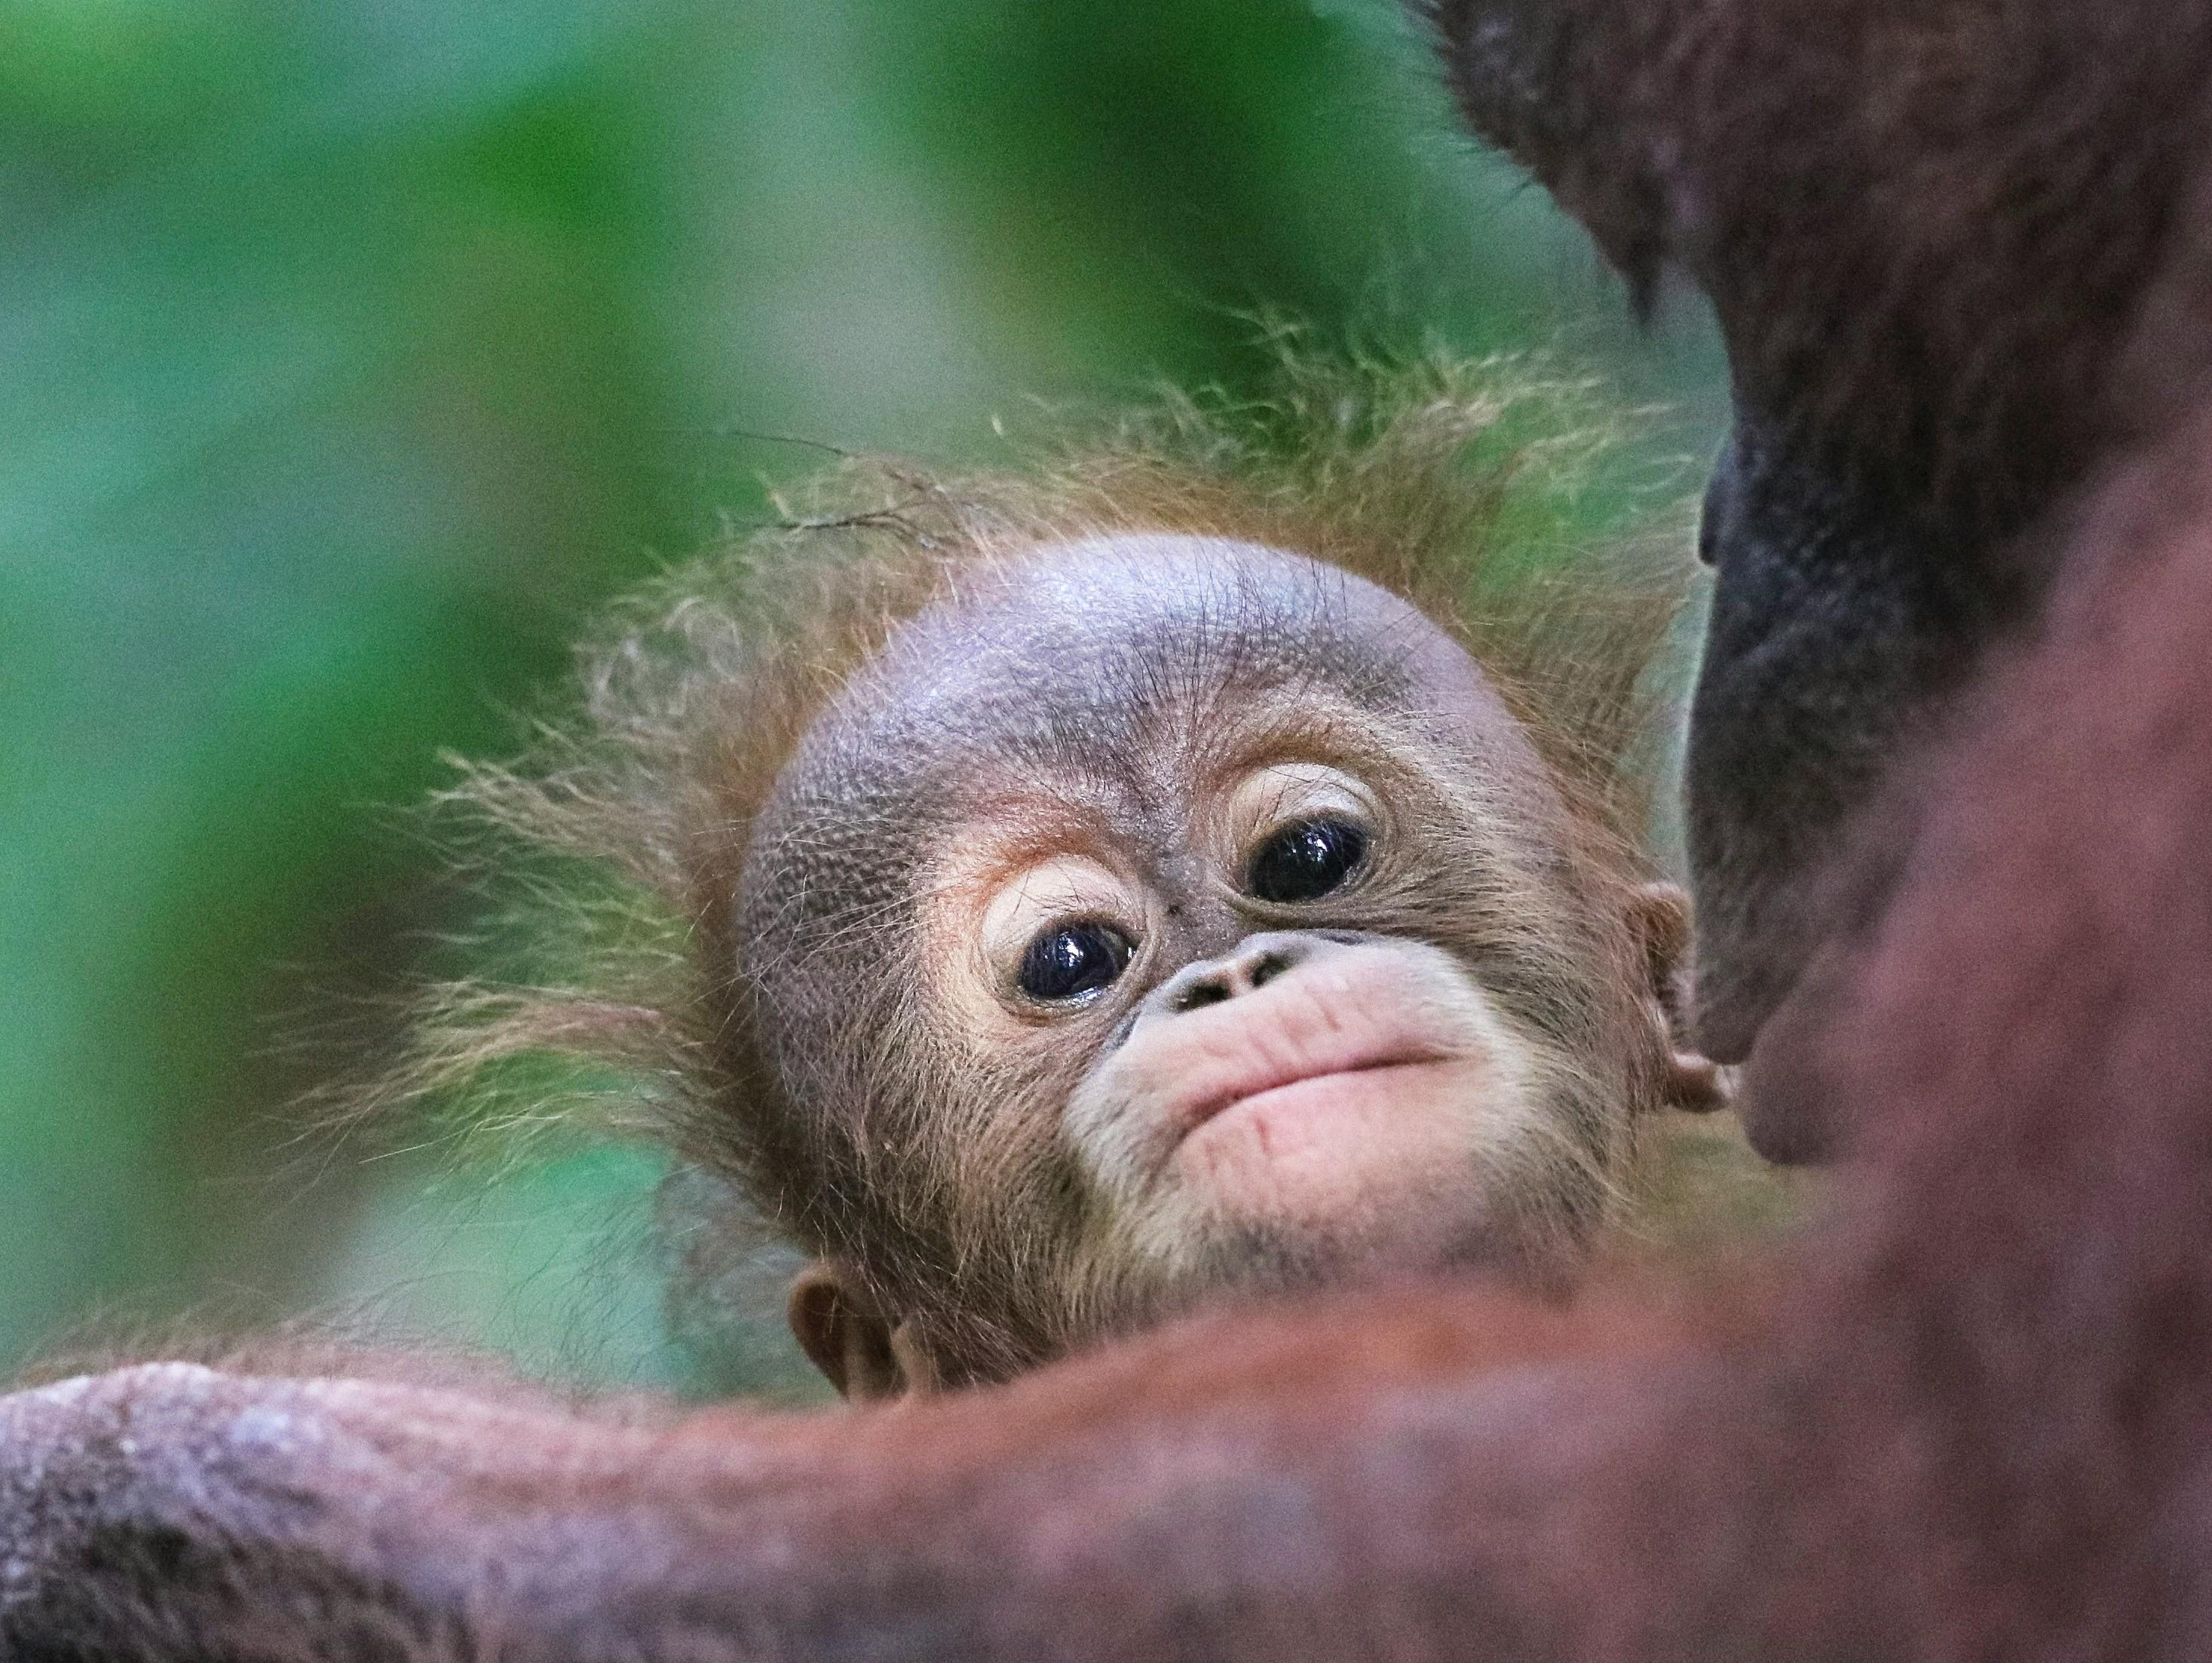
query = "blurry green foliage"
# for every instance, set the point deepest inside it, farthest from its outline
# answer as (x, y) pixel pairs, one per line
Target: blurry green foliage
(355, 348)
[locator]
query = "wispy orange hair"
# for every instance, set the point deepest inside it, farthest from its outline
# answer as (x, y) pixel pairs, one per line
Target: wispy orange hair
(619, 837)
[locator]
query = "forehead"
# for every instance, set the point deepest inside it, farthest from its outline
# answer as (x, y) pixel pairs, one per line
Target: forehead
(1081, 652)
(1113, 672)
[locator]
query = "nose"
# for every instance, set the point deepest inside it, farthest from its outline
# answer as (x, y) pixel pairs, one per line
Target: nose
(1251, 965)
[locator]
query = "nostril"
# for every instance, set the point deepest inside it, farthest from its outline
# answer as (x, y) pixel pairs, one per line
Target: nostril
(1210, 991)
(1251, 967)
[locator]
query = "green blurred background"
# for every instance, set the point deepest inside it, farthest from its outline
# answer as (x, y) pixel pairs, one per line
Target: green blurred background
(351, 351)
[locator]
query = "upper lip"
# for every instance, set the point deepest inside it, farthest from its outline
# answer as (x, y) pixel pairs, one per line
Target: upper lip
(1309, 1047)
(1205, 1108)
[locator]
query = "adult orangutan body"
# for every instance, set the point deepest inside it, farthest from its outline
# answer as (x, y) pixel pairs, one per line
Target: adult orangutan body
(1960, 253)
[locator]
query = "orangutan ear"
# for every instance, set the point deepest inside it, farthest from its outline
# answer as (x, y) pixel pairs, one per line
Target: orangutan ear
(1659, 919)
(848, 1335)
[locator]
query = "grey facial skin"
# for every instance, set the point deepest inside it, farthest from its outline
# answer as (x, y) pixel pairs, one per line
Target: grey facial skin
(1832, 634)
(1852, 604)
(1844, 624)
(1431, 1066)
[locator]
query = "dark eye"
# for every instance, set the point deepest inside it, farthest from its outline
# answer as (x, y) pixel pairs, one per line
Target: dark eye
(1305, 860)
(1071, 960)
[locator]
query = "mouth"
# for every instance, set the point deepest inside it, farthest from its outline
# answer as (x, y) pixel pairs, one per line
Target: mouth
(1347, 1047)
(1310, 1087)
(1336, 1121)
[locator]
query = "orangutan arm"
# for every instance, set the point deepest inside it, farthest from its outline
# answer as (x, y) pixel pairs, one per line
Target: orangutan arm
(172, 1512)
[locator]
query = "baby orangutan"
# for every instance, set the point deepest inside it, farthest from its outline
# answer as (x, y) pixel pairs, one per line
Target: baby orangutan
(1105, 893)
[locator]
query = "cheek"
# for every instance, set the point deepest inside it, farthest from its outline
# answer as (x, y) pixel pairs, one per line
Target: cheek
(995, 1114)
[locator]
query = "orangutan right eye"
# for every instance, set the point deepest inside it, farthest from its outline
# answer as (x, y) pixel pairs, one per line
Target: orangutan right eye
(1305, 860)
(1072, 961)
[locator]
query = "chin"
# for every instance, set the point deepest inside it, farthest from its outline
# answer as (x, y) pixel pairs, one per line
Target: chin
(1407, 1169)
(1328, 1179)
(1325, 1154)
(1295, 1252)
